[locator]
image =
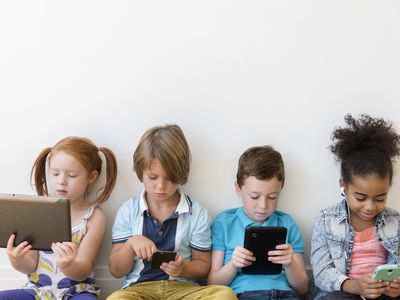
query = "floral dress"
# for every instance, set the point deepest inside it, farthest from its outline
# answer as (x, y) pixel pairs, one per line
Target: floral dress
(49, 283)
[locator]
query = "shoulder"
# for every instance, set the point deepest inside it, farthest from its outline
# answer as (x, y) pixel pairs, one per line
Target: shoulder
(195, 208)
(97, 219)
(227, 216)
(132, 205)
(388, 211)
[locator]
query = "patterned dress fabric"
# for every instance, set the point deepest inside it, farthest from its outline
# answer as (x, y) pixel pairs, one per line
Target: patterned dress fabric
(49, 283)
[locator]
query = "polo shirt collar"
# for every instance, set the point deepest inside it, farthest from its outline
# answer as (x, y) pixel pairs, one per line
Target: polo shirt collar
(246, 221)
(183, 205)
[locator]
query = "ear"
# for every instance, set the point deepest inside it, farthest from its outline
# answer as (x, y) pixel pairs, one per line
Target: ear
(238, 189)
(93, 176)
(341, 183)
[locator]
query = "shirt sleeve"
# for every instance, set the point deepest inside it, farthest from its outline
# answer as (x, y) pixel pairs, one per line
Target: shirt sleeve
(294, 237)
(217, 234)
(201, 234)
(122, 228)
(326, 276)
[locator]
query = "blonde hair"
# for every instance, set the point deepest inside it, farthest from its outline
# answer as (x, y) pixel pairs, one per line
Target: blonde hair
(87, 153)
(168, 145)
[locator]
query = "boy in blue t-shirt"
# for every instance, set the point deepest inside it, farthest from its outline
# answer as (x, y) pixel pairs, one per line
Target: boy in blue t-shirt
(163, 218)
(259, 181)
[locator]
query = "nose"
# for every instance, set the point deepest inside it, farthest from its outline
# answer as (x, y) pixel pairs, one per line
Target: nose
(369, 205)
(62, 179)
(160, 184)
(263, 203)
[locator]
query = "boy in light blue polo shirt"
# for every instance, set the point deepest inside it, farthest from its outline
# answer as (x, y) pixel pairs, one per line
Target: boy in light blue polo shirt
(259, 181)
(163, 218)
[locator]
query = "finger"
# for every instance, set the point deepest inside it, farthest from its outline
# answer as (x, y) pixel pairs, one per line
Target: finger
(21, 246)
(26, 250)
(283, 247)
(10, 242)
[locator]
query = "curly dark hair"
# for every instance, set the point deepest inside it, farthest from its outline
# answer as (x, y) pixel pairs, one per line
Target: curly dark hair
(366, 146)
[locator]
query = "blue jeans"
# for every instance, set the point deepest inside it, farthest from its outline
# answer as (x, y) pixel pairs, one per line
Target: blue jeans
(26, 294)
(347, 296)
(268, 295)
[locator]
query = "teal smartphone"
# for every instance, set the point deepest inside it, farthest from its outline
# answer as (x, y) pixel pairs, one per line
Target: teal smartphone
(387, 272)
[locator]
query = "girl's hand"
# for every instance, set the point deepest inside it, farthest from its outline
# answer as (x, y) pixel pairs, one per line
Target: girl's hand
(241, 257)
(65, 253)
(18, 252)
(283, 254)
(142, 246)
(394, 288)
(174, 268)
(372, 288)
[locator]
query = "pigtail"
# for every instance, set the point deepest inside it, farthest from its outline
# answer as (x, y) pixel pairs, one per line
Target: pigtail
(111, 175)
(38, 173)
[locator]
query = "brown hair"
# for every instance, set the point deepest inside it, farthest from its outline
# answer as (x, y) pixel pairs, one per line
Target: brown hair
(262, 162)
(87, 153)
(168, 145)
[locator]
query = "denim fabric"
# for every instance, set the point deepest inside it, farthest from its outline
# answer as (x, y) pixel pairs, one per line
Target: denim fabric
(332, 244)
(347, 296)
(268, 295)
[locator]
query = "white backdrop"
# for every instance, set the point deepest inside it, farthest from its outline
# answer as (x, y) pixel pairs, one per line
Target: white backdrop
(232, 74)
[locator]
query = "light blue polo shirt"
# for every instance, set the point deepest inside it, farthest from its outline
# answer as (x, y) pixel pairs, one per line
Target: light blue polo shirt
(186, 229)
(228, 231)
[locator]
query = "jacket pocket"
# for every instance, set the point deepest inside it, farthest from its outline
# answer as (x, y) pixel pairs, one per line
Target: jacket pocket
(336, 246)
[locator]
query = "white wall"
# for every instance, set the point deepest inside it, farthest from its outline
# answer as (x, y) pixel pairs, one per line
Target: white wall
(233, 74)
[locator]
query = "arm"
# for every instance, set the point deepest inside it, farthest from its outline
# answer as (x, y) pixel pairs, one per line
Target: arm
(327, 277)
(122, 256)
(296, 274)
(77, 264)
(224, 274)
(21, 257)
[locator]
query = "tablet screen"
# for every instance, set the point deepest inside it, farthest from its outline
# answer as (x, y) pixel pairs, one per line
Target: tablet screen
(260, 240)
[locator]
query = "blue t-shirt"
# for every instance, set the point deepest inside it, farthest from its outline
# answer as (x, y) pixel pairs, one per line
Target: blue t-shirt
(228, 232)
(186, 229)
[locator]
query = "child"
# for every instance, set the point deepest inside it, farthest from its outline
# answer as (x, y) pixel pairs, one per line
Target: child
(74, 164)
(260, 178)
(162, 217)
(353, 237)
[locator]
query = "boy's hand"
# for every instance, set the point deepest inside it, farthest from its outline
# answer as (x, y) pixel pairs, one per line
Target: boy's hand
(142, 246)
(241, 257)
(174, 268)
(65, 253)
(394, 288)
(283, 254)
(372, 288)
(15, 253)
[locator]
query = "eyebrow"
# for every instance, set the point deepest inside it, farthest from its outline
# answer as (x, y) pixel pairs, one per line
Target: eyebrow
(361, 194)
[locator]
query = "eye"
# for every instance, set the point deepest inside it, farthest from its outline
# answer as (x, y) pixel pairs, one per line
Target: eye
(55, 173)
(272, 198)
(360, 198)
(254, 197)
(151, 177)
(380, 199)
(72, 175)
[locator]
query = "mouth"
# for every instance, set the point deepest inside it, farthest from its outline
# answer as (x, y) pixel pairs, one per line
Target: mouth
(61, 192)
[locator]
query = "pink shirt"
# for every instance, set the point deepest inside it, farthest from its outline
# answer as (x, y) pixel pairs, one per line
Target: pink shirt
(367, 253)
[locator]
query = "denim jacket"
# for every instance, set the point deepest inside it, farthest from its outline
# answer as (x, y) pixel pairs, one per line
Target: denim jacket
(332, 243)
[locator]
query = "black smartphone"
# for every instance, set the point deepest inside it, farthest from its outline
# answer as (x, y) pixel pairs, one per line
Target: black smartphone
(162, 256)
(260, 240)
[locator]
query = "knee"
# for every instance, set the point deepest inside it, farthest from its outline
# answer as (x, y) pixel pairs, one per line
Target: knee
(123, 294)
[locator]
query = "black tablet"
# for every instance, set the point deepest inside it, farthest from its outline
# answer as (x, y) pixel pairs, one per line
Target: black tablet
(260, 240)
(39, 220)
